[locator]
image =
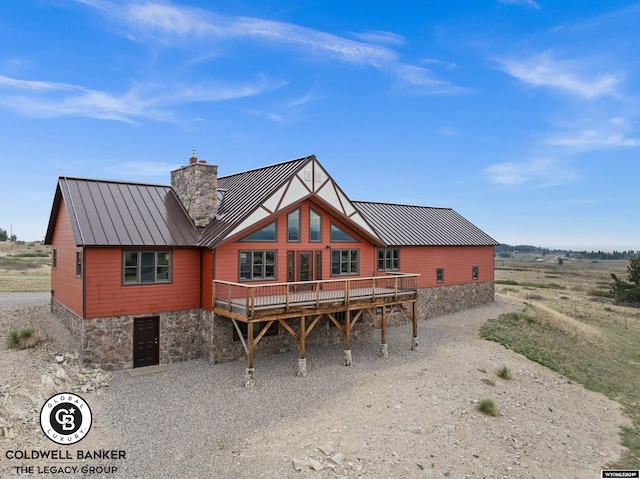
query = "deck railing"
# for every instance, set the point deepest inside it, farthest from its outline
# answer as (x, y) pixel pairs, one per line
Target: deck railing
(250, 298)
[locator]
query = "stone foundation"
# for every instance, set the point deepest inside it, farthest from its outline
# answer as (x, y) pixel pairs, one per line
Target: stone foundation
(192, 334)
(438, 301)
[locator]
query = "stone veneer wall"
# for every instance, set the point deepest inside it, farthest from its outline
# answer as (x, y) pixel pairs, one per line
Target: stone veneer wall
(194, 334)
(108, 342)
(197, 188)
(441, 300)
(71, 321)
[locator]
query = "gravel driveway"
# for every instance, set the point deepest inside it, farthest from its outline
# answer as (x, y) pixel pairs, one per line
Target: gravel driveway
(411, 415)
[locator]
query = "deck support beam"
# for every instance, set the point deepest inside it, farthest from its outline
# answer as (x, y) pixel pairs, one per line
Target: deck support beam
(414, 320)
(302, 361)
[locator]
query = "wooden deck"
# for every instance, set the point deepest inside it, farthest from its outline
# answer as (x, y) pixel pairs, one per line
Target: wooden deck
(250, 303)
(308, 302)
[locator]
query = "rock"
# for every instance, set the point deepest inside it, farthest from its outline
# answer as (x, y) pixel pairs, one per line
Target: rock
(337, 458)
(315, 465)
(326, 449)
(300, 464)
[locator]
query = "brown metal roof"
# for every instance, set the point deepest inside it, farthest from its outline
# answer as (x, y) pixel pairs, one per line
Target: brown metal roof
(244, 192)
(110, 213)
(407, 225)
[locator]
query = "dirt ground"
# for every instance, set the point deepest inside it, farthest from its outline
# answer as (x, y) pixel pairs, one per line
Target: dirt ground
(414, 417)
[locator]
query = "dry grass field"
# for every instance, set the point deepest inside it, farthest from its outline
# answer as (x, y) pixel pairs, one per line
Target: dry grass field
(24, 267)
(571, 326)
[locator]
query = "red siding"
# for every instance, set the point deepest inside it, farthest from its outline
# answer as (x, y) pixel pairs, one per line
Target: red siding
(457, 262)
(107, 296)
(207, 278)
(226, 257)
(66, 288)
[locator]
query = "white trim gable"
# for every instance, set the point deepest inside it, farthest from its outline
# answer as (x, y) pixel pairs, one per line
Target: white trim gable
(310, 180)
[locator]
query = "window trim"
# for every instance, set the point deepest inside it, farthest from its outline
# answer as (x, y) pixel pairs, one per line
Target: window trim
(385, 259)
(264, 264)
(350, 261)
(439, 275)
(138, 281)
(312, 212)
(298, 227)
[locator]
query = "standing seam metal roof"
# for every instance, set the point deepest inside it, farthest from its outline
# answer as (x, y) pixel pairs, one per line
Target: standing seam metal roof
(111, 213)
(246, 191)
(408, 225)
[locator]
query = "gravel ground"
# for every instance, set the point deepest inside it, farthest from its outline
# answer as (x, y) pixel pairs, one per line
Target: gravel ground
(411, 415)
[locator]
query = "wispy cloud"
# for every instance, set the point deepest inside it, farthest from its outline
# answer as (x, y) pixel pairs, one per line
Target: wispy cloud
(538, 172)
(166, 23)
(522, 3)
(569, 76)
(50, 100)
(381, 37)
(612, 133)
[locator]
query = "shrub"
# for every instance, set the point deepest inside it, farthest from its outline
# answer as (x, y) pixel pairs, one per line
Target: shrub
(22, 338)
(486, 406)
(504, 372)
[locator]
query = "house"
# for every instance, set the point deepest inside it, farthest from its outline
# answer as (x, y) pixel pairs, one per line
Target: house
(254, 263)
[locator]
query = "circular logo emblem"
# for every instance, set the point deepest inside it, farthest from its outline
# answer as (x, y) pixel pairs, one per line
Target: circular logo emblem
(65, 418)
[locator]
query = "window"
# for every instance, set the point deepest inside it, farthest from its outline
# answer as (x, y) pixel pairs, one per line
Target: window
(345, 261)
(293, 226)
(474, 272)
(440, 275)
(54, 258)
(339, 235)
(78, 264)
(268, 233)
(388, 259)
(256, 265)
(315, 226)
(146, 267)
(257, 327)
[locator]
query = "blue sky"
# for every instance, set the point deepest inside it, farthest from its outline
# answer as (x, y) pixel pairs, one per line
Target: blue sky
(522, 115)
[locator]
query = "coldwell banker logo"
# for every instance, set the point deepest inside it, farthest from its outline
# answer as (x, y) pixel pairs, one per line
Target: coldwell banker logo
(65, 418)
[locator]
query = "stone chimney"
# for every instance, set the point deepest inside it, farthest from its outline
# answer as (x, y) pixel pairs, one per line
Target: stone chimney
(197, 188)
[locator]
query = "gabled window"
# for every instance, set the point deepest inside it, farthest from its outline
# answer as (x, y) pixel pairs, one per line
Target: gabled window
(293, 226)
(315, 226)
(146, 267)
(255, 265)
(388, 259)
(345, 262)
(338, 235)
(268, 233)
(440, 275)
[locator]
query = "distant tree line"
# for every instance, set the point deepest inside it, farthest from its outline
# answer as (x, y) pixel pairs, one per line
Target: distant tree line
(506, 251)
(4, 236)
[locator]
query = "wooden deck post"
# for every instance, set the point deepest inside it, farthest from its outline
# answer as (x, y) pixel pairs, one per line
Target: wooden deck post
(347, 338)
(414, 320)
(302, 361)
(383, 334)
(249, 374)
